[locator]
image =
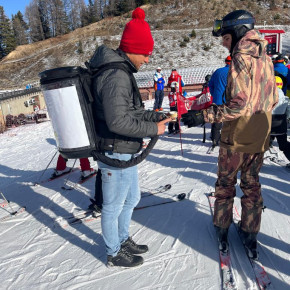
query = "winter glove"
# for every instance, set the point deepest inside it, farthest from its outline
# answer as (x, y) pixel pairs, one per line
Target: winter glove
(192, 118)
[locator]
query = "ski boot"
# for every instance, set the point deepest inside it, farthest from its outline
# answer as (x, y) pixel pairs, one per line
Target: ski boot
(60, 172)
(222, 235)
(87, 173)
(250, 242)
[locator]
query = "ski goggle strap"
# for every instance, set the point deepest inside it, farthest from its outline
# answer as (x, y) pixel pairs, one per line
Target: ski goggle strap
(220, 25)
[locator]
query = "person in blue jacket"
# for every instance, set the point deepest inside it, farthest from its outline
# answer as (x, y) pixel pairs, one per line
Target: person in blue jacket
(281, 70)
(217, 86)
(159, 89)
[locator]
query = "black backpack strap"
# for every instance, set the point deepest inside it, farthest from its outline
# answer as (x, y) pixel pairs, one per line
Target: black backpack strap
(86, 83)
(125, 164)
(115, 162)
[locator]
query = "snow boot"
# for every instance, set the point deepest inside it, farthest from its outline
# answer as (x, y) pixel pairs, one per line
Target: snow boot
(222, 235)
(250, 242)
(133, 248)
(124, 259)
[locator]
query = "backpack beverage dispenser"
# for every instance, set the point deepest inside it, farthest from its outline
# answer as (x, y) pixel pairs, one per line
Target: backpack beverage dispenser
(70, 109)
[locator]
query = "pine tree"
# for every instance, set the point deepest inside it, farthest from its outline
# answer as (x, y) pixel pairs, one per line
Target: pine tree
(84, 15)
(20, 28)
(59, 19)
(73, 10)
(44, 18)
(34, 22)
(92, 12)
(7, 38)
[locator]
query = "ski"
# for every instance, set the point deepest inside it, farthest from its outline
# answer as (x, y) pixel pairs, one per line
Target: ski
(81, 181)
(84, 179)
(91, 214)
(87, 216)
(180, 197)
(55, 177)
(13, 214)
(4, 203)
(227, 274)
(262, 278)
(160, 189)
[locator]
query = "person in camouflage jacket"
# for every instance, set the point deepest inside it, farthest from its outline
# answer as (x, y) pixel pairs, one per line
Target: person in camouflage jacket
(251, 94)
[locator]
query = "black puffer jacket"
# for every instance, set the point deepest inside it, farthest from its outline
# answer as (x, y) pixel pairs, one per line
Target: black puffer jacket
(120, 119)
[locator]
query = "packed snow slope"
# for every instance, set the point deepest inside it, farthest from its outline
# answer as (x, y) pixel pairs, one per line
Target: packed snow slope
(40, 251)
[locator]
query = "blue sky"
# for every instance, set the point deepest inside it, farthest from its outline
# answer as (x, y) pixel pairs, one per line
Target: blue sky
(13, 6)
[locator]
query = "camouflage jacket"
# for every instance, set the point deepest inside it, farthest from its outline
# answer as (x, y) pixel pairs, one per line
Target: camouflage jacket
(251, 94)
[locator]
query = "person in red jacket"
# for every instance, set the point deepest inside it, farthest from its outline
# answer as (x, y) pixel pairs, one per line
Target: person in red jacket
(175, 84)
(175, 81)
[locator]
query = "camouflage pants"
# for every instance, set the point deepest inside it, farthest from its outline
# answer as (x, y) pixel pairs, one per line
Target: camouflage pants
(229, 164)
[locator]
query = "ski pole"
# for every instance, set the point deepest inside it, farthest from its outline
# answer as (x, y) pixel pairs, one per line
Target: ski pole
(8, 202)
(180, 141)
(180, 197)
(37, 182)
(204, 136)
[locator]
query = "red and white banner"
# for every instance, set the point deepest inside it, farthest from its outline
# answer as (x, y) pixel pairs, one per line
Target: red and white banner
(198, 102)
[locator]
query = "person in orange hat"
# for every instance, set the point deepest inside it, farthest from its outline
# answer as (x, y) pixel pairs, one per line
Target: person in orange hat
(121, 123)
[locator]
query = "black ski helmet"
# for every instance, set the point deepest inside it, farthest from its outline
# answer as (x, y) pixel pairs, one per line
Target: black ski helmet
(237, 23)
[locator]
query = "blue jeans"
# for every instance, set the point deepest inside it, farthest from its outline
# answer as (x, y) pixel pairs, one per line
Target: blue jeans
(159, 95)
(121, 194)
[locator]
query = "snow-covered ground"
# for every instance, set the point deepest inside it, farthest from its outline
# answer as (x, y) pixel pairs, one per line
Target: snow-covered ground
(37, 253)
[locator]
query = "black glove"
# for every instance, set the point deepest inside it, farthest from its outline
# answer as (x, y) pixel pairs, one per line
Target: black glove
(192, 118)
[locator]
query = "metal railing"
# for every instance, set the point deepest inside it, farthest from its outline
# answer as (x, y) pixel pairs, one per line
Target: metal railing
(19, 93)
(190, 76)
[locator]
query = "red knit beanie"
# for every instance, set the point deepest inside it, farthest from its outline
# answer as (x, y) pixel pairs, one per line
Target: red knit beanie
(137, 36)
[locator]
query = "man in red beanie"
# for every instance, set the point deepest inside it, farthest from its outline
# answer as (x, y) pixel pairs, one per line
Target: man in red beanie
(121, 123)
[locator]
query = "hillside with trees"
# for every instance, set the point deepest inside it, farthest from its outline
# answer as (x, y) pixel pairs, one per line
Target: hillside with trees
(66, 32)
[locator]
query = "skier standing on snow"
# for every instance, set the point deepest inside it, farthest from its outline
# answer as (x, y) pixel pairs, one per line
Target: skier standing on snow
(61, 167)
(175, 83)
(279, 121)
(217, 86)
(121, 124)
(251, 93)
(159, 89)
(172, 97)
